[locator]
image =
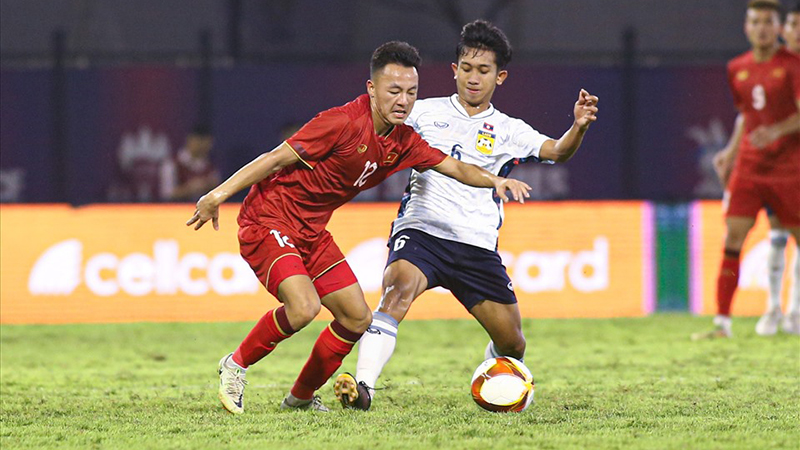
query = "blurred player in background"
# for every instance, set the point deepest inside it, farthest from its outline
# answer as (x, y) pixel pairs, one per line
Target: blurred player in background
(769, 323)
(791, 29)
(446, 233)
(191, 173)
(764, 151)
(295, 189)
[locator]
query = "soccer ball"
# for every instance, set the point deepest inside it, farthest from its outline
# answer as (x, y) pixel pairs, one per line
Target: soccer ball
(502, 385)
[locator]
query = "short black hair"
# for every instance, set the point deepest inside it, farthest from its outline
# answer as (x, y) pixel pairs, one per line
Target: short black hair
(201, 129)
(774, 5)
(794, 9)
(482, 35)
(394, 52)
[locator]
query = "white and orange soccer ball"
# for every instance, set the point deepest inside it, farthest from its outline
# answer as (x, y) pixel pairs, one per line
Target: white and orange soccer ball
(502, 385)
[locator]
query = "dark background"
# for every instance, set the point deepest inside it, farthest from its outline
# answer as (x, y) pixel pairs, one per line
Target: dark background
(80, 80)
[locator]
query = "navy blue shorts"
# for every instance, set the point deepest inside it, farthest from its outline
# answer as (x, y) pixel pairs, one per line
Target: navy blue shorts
(471, 273)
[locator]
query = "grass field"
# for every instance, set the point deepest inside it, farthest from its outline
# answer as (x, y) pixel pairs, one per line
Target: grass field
(624, 383)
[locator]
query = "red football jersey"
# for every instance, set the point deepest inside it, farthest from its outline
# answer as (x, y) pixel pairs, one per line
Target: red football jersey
(766, 93)
(340, 156)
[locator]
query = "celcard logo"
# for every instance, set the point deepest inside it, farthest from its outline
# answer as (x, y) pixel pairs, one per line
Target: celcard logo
(586, 270)
(165, 272)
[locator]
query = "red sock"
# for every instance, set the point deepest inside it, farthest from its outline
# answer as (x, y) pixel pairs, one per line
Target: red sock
(727, 282)
(333, 344)
(263, 338)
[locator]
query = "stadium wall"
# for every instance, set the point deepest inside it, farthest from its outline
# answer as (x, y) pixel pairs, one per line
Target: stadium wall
(658, 153)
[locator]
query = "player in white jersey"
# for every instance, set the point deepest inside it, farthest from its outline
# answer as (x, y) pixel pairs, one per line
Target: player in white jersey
(446, 233)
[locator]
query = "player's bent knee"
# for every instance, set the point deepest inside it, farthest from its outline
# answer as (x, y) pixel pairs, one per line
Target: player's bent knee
(358, 322)
(361, 324)
(734, 241)
(302, 312)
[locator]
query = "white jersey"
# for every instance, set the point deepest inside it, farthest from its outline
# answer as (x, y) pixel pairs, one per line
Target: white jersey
(445, 208)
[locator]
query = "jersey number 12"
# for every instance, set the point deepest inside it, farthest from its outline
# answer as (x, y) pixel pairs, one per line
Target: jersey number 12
(369, 169)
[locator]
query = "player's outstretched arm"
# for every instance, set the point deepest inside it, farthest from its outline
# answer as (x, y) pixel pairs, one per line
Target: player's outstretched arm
(724, 159)
(475, 176)
(585, 113)
(255, 171)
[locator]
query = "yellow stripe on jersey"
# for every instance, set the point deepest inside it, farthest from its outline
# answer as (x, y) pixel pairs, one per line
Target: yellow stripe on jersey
(298, 155)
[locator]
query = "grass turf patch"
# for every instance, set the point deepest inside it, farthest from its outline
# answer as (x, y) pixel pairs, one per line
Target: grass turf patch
(618, 383)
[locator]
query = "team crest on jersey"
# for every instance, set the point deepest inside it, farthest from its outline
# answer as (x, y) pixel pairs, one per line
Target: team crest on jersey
(390, 159)
(742, 75)
(778, 72)
(362, 148)
(485, 142)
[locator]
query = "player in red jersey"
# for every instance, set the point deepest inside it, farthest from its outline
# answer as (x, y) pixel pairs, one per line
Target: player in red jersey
(791, 29)
(295, 189)
(766, 89)
(769, 323)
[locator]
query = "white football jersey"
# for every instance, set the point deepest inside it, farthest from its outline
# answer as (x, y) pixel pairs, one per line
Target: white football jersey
(444, 207)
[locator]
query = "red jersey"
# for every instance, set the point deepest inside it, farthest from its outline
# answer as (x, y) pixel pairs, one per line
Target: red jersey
(766, 93)
(340, 156)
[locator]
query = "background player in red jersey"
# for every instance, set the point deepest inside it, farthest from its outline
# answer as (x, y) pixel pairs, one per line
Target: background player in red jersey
(769, 323)
(766, 89)
(791, 29)
(295, 189)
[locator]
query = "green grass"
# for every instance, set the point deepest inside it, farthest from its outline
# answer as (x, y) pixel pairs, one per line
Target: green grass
(623, 383)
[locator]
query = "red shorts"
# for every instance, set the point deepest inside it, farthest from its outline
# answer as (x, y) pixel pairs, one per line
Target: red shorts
(746, 196)
(275, 253)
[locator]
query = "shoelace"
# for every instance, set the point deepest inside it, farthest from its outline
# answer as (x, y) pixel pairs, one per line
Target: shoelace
(236, 385)
(316, 402)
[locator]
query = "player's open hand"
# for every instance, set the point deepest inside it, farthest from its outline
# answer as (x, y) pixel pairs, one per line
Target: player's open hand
(207, 209)
(763, 136)
(585, 109)
(519, 190)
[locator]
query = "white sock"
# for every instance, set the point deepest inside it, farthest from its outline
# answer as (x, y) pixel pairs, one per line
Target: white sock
(794, 300)
(231, 364)
(375, 348)
(291, 400)
(723, 321)
(775, 266)
(491, 352)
